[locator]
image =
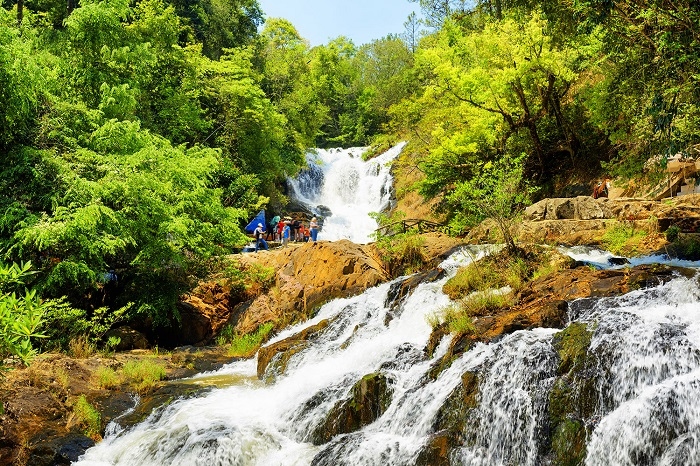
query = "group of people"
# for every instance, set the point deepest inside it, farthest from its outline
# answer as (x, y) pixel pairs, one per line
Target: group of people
(285, 230)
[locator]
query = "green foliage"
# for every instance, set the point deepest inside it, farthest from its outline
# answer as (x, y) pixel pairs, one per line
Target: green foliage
(401, 252)
(87, 417)
(21, 315)
(248, 281)
(622, 237)
(497, 191)
(142, 375)
(67, 327)
(244, 346)
(458, 320)
(107, 378)
(21, 83)
(685, 246)
(672, 233)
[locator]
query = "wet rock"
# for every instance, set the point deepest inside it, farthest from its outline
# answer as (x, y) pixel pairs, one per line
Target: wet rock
(618, 261)
(573, 397)
(437, 450)
(402, 289)
(451, 422)
(72, 448)
(324, 211)
(159, 398)
(129, 338)
(369, 398)
(279, 353)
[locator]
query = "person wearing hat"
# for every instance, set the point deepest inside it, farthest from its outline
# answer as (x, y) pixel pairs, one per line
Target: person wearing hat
(285, 234)
(313, 229)
(259, 240)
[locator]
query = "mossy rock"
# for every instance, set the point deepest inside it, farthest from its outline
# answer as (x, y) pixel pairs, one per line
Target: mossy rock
(369, 398)
(573, 397)
(572, 345)
(569, 443)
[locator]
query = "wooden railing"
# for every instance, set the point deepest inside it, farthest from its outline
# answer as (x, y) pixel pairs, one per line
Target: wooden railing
(402, 226)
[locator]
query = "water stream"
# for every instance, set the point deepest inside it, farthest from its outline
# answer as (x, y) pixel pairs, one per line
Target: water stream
(338, 181)
(645, 373)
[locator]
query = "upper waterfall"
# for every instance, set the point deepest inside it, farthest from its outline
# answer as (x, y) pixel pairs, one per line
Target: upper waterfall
(340, 181)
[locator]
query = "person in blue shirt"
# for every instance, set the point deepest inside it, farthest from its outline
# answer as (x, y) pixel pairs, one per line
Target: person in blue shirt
(285, 235)
(313, 228)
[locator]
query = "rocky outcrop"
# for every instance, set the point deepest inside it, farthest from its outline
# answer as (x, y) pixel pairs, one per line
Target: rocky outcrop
(450, 422)
(368, 400)
(584, 220)
(573, 397)
(543, 303)
(587, 208)
(37, 422)
(306, 276)
(279, 353)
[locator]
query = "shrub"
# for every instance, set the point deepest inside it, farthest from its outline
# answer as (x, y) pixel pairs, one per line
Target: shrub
(81, 347)
(107, 378)
(622, 237)
(672, 233)
(87, 417)
(21, 315)
(244, 346)
(458, 320)
(248, 281)
(142, 375)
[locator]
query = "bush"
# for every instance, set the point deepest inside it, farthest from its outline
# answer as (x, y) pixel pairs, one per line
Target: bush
(107, 378)
(142, 375)
(248, 281)
(244, 346)
(672, 233)
(87, 417)
(20, 315)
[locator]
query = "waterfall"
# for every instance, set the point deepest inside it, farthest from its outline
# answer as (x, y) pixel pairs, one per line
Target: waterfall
(643, 367)
(343, 189)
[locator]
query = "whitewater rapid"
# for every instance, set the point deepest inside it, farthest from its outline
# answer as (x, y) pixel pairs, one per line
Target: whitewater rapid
(351, 188)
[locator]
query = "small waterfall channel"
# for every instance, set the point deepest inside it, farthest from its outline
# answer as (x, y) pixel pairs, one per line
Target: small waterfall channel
(343, 189)
(632, 400)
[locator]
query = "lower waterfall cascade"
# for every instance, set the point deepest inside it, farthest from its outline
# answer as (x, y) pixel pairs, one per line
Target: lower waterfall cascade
(643, 364)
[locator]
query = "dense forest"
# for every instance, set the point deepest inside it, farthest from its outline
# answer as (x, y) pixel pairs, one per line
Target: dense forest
(138, 136)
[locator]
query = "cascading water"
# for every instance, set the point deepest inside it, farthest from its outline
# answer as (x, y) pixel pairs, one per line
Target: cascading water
(644, 371)
(343, 189)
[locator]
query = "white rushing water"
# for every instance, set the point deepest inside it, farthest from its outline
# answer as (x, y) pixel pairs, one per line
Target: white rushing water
(349, 187)
(645, 348)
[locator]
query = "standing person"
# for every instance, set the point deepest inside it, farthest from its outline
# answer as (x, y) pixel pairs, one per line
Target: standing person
(313, 228)
(272, 226)
(259, 240)
(295, 229)
(285, 235)
(278, 228)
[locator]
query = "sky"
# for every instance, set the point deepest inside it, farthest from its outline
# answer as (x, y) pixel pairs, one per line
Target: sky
(361, 20)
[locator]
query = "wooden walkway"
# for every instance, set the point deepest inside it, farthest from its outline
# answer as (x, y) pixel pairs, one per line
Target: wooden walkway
(403, 226)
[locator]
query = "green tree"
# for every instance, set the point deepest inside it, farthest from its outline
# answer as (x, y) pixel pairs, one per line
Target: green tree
(21, 78)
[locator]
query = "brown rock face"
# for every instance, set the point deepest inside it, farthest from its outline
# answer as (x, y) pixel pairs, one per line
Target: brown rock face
(306, 276)
(582, 219)
(543, 303)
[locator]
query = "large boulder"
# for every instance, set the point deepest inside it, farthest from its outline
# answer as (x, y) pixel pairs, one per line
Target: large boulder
(306, 276)
(369, 398)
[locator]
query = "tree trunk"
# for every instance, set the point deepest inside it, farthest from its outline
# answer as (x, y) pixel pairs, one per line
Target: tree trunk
(20, 12)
